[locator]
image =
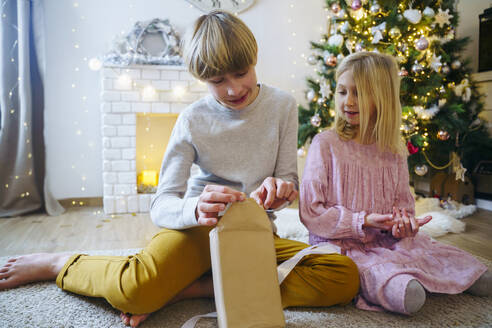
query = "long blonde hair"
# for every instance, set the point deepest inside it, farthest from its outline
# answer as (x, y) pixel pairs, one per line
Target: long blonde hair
(378, 84)
(218, 43)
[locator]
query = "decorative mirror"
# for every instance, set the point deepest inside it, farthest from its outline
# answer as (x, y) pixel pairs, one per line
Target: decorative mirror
(234, 6)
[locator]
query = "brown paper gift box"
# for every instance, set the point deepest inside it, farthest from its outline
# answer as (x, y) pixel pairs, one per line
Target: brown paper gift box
(244, 268)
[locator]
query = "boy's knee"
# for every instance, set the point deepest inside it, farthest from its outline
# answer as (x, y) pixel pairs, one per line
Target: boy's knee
(352, 274)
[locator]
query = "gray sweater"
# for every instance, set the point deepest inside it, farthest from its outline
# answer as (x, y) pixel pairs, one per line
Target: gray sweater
(234, 148)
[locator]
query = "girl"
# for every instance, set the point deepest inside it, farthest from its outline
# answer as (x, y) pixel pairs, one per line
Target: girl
(355, 194)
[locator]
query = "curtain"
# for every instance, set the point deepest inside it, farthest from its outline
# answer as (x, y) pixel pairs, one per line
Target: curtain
(23, 178)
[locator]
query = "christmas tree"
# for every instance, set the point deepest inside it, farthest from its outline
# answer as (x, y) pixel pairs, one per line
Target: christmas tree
(440, 101)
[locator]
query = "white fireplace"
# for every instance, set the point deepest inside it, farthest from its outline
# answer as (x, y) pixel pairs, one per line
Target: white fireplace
(132, 95)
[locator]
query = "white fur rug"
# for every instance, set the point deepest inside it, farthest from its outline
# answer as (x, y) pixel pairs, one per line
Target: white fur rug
(443, 220)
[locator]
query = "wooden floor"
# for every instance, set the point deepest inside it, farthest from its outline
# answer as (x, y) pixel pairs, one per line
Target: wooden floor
(88, 228)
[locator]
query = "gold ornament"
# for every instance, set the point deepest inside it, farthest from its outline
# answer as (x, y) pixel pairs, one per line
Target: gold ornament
(443, 135)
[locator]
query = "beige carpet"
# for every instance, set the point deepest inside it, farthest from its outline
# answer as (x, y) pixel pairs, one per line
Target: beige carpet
(45, 305)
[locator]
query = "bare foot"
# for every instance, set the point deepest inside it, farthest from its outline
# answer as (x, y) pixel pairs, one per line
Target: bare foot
(33, 267)
(133, 320)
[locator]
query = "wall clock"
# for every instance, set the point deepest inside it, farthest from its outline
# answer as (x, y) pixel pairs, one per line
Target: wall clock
(234, 6)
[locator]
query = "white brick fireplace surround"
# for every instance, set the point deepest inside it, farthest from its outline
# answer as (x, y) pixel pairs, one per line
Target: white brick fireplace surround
(127, 91)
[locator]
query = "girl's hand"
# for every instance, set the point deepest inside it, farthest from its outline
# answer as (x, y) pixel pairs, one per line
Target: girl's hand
(274, 192)
(378, 221)
(212, 201)
(405, 225)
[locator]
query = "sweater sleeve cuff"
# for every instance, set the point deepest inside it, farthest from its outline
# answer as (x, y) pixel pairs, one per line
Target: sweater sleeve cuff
(189, 218)
(357, 222)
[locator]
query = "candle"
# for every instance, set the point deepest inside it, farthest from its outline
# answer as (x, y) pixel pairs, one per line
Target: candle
(148, 177)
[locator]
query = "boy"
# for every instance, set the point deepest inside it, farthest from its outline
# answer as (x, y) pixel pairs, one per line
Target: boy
(243, 138)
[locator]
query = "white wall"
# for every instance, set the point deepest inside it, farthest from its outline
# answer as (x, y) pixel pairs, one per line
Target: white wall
(78, 30)
(73, 138)
(469, 26)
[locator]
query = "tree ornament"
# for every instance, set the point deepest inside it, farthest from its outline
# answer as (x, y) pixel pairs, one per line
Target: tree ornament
(443, 135)
(335, 7)
(359, 47)
(442, 17)
(456, 64)
(442, 90)
(429, 12)
(377, 32)
(344, 27)
(408, 127)
(331, 60)
(375, 8)
(463, 90)
(301, 152)
(445, 69)
(450, 35)
(441, 102)
(422, 43)
(417, 68)
(412, 15)
(316, 120)
(335, 40)
(435, 63)
(403, 72)
(312, 60)
(325, 89)
(356, 5)
(421, 170)
(394, 32)
(320, 101)
(310, 95)
(411, 148)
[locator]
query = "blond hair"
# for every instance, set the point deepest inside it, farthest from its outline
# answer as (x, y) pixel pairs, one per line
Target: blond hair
(218, 43)
(378, 84)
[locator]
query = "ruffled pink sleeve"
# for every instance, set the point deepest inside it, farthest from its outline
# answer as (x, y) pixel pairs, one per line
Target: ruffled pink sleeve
(321, 217)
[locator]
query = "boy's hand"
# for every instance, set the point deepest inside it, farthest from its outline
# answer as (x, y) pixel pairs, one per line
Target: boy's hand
(274, 192)
(212, 201)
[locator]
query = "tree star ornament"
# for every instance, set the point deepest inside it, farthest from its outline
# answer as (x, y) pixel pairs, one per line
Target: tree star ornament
(435, 63)
(325, 89)
(442, 17)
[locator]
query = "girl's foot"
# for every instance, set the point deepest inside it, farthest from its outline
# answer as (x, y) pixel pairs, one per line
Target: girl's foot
(30, 268)
(133, 320)
(483, 285)
(414, 297)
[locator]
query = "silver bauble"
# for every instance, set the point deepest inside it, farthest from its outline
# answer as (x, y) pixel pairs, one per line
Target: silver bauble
(417, 68)
(310, 95)
(356, 5)
(375, 8)
(316, 120)
(456, 64)
(312, 60)
(422, 43)
(421, 170)
(445, 69)
(335, 7)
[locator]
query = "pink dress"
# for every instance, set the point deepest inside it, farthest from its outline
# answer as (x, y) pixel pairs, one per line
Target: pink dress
(344, 180)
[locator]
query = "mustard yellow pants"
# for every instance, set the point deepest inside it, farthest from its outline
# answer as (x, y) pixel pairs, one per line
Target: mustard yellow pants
(174, 259)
